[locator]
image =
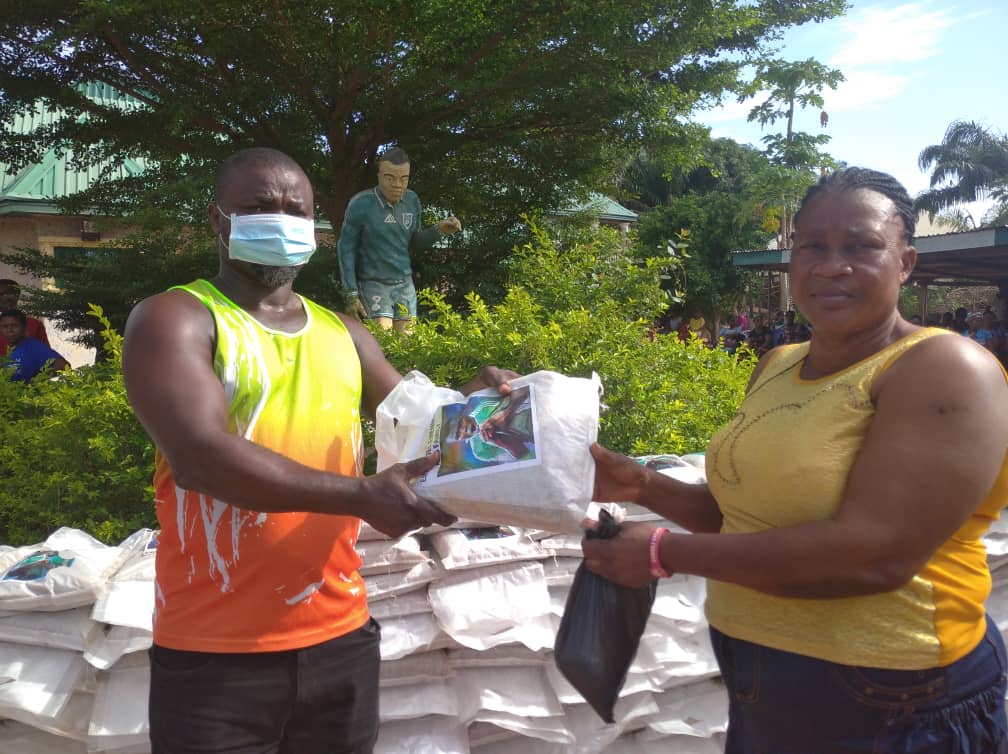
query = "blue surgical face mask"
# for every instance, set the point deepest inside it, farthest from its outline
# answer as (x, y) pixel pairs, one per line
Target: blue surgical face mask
(274, 240)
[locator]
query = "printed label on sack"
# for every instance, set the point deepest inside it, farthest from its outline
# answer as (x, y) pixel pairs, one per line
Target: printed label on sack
(484, 435)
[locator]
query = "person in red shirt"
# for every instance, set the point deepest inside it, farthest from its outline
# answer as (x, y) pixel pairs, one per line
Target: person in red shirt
(10, 292)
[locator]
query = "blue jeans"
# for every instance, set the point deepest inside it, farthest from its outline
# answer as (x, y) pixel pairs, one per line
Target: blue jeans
(396, 300)
(321, 699)
(785, 703)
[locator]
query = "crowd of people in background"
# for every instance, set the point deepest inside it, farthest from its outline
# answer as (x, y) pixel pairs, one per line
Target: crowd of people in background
(760, 334)
(982, 326)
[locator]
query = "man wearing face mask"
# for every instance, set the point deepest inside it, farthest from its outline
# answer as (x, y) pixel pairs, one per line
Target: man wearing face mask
(252, 395)
(381, 227)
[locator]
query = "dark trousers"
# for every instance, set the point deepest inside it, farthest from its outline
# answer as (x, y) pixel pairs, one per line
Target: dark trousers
(785, 703)
(316, 700)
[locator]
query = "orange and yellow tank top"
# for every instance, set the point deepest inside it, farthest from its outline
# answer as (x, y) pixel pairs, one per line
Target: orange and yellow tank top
(784, 459)
(230, 579)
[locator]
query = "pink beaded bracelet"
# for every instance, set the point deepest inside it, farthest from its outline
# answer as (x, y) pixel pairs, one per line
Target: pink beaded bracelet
(657, 570)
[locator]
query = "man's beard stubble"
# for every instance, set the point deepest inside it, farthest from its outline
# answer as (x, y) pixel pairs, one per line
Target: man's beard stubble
(274, 277)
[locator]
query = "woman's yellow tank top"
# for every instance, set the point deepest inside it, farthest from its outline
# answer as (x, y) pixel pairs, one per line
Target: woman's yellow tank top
(784, 459)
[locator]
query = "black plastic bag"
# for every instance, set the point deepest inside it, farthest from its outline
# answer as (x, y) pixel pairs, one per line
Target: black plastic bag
(600, 630)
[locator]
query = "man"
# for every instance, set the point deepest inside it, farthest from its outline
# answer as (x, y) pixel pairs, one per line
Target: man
(959, 324)
(508, 426)
(10, 294)
(791, 332)
(27, 356)
(252, 395)
(381, 228)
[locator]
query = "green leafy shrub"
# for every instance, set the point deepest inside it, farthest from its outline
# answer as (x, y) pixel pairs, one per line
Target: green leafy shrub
(73, 454)
(583, 308)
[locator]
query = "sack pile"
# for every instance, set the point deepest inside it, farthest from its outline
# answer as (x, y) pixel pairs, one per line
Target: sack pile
(469, 616)
(74, 617)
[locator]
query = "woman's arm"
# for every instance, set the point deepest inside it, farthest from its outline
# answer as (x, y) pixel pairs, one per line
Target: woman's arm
(934, 450)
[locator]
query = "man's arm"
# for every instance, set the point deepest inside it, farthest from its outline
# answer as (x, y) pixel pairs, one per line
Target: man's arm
(348, 246)
(378, 375)
(170, 382)
(426, 237)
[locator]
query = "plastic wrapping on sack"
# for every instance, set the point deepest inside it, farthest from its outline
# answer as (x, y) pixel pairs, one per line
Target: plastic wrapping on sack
(68, 570)
(404, 635)
(113, 642)
(431, 697)
(19, 738)
(66, 629)
(517, 460)
(120, 707)
(128, 597)
(601, 627)
(38, 681)
(387, 585)
(493, 605)
(478, 546)
(426, 735)
(522, 691)
(418, 668)
(389, 555)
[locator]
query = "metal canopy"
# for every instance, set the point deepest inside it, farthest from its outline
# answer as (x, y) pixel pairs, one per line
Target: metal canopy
(976, 255)
(973, 256)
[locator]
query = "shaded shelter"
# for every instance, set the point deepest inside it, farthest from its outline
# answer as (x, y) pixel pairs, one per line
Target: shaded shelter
(972, 257)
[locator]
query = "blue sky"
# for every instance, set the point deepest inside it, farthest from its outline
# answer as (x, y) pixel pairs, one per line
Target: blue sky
(911, 69)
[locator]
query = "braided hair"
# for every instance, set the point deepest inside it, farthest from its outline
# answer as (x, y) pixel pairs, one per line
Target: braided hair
(852, 179)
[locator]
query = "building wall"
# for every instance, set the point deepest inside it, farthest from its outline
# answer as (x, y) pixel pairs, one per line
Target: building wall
(45, 232)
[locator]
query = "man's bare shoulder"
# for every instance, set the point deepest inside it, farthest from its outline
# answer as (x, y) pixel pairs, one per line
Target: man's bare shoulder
(364, 341)
(170, 312)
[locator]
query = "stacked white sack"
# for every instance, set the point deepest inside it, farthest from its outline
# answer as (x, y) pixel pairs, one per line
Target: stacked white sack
(48, 631)
(467, 630)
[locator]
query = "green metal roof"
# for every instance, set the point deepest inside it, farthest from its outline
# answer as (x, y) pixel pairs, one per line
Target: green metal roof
(603, 208)
(38, 187)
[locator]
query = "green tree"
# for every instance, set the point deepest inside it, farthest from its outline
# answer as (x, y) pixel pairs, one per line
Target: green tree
(714, 203)
(505, 106)
(970, 164)
(791, 86)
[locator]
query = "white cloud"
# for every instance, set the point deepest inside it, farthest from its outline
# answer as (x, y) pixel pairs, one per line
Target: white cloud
(901, 34)
(863, 88)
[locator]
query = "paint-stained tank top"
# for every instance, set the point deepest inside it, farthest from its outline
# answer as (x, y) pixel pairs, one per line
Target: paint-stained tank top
(785, 459)
(231, 579)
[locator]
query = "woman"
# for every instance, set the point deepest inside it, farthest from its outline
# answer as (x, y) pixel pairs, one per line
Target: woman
(841, 525)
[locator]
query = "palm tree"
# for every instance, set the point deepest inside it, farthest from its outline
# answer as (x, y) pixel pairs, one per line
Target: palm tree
(970, 164)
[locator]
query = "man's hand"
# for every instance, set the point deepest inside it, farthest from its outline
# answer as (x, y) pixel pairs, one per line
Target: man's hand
(355, 308)
(495, 422)
(618, 479)
(625, 559)
(392, 507)
(449, 225)
(488, 376)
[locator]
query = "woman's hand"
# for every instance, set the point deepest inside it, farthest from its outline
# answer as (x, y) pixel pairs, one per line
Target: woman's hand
(625, 558)
(618, 479)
